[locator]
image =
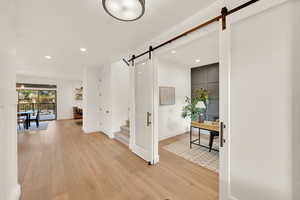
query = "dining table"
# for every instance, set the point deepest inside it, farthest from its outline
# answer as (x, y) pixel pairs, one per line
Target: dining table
(27, 114)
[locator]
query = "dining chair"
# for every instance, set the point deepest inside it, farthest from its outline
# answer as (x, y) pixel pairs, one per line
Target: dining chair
(36, 118)
(21, 120)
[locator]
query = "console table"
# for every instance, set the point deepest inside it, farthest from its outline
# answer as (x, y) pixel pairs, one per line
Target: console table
(213, 129)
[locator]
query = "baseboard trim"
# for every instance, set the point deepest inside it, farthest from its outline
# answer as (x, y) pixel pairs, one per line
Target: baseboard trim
(90, 131)
(170, 136)
(15, 193)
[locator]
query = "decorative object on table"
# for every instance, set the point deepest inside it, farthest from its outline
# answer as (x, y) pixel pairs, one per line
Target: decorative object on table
(167, 95)
(78, 93)
(202, 96)
(202, 109)
(191, 110)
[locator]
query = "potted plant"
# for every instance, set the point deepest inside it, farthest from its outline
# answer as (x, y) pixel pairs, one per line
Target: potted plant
(202, 96)
(196, 106)
(191, 110)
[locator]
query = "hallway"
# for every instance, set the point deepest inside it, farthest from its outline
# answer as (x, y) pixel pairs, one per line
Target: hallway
(62, 163)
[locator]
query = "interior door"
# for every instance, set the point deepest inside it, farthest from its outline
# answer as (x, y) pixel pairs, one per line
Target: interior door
(142, 129)
(255, 69)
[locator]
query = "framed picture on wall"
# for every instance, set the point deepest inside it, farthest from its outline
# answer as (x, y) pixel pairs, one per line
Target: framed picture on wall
(78, 94)
(167, 96)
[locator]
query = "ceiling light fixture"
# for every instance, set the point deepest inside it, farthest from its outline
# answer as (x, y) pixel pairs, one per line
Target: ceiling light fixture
(48, 57)
(197, 61)
(83, 49)
(124, 10)
(173, 52)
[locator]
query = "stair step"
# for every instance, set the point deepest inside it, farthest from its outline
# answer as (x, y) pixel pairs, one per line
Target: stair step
(125, 129)
(124, 138)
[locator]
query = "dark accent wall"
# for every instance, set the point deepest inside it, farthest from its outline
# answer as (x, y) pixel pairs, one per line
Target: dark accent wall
(207, 77)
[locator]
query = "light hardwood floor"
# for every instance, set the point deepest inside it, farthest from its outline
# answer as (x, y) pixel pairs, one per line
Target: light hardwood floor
(62, 163)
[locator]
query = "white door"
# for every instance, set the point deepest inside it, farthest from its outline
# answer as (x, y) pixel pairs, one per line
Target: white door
(255, 106)
(224, 71)
(142, 110)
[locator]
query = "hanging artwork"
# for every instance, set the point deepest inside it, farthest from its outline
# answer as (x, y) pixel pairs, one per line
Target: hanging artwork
(78, 93)
(167, 95)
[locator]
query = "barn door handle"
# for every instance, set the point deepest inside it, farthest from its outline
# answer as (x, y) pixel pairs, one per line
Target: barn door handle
(222, 126)
(148, 119)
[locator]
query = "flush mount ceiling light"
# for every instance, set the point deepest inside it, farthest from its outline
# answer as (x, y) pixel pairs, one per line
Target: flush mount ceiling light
(48, 57)
(124, 10)
(83, 49)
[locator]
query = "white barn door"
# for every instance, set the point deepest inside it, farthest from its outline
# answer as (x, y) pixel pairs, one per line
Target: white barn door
(256, 85)
(142, 137)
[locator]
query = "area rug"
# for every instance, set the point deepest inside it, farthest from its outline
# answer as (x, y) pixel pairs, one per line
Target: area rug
(33, 127)
(198, 155)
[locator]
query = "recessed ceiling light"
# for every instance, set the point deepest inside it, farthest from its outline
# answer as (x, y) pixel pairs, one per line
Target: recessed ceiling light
(48, 57)
(143, 63)
(173, 52)
(197, 61)
(83, 49)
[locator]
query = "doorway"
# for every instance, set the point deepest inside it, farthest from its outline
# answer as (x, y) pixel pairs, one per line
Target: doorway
(38, 98)
(191, 70)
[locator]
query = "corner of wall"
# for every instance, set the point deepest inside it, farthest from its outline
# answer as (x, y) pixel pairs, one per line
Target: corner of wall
(15, 193)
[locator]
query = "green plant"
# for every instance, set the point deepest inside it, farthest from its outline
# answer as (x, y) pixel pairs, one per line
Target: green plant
(202, 95)
(190, 110)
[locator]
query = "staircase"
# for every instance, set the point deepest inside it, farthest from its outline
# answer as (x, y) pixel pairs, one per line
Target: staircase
(124, 134)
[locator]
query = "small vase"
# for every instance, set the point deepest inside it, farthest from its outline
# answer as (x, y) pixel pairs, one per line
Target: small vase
(201, 117)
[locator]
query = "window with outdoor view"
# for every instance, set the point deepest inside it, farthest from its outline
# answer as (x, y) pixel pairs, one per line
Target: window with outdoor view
(38, 98)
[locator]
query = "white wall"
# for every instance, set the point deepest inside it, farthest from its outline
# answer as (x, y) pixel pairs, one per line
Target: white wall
(91, 99)
(106, 99)
(120, 94)
(97, 112)
(170, 122)
(263, 112)
(9, 188)
(65, 93)
(295, 41)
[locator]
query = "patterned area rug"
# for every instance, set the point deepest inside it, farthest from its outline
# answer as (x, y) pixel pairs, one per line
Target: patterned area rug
(198, 155)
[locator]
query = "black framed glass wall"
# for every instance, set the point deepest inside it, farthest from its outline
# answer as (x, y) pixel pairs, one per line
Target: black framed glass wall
(207, 77)
(38, 98)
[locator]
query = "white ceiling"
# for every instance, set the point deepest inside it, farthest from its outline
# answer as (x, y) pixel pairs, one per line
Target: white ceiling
(204, 49)
(59, 28)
